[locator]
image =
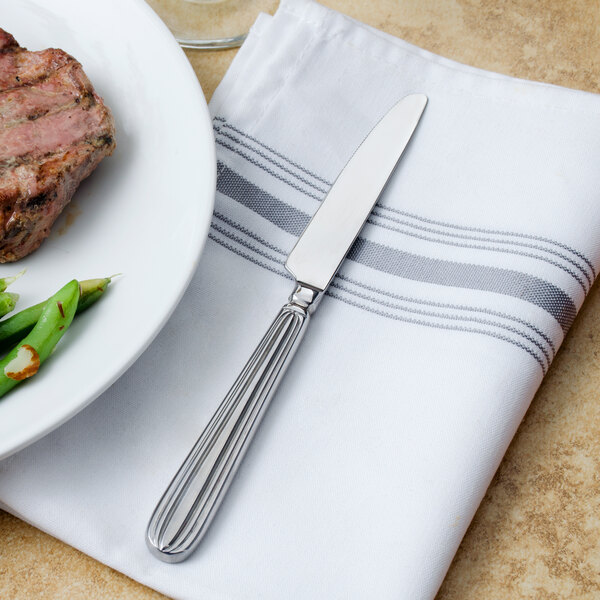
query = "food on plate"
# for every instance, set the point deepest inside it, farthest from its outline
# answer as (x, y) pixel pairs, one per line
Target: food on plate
(24, 360)
(91, 290)
(54, 131)
(34, 332)
(16, 327)
(8, 302)
(6, 281)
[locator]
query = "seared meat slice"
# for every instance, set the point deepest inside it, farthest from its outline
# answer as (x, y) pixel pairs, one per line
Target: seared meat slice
(54, 130)
(6, 40)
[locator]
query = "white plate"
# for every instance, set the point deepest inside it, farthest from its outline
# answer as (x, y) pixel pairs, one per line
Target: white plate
(144, 212)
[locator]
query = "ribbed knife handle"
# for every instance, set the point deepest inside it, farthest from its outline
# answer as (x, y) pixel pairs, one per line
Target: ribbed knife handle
(187, 507)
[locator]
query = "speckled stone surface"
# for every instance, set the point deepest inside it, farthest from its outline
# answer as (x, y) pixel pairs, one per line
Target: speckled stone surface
(537, 532)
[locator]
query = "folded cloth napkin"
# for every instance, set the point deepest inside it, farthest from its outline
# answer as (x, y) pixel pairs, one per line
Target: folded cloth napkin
(420, 362)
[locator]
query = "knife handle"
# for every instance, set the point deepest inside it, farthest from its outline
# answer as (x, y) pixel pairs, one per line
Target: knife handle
(187, 507)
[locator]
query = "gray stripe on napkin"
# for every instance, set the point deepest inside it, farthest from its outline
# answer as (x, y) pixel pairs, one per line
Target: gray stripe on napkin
(270, 171)
(279, 213)
(385, 313)
(322, 191)
(281, 256)
(464, 275)
(223, 123)
(494, 248)
(497, 232)
(506, 238)
(421, 312)
(403, 264)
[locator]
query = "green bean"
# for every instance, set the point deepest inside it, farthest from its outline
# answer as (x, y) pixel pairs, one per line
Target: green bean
(15, 328)
(25, 359)
(91, 291)
(6, 281)
(8, 302)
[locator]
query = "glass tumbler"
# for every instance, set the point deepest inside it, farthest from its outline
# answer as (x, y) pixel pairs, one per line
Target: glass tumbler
(210, 24)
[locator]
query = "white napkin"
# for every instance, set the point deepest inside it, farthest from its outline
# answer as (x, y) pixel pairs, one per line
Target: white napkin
(417, 367)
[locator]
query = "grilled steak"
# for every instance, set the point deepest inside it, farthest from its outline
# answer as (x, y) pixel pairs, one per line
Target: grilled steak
(54, 130)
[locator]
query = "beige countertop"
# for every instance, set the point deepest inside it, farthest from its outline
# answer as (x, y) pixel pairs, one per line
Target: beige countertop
(537, 532)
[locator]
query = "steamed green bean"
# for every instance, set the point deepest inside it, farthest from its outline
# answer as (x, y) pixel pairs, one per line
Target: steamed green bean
(17, 326)
(25, 359)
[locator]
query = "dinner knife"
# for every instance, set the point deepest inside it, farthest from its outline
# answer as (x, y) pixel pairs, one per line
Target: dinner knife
(187, 507)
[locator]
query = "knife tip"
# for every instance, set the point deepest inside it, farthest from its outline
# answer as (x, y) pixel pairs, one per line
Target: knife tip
(420, 98)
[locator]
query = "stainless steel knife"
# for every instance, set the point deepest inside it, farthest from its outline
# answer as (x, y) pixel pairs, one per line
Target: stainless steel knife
(187, 507)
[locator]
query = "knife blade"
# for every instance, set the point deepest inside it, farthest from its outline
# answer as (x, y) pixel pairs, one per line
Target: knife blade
(187, 507)
(320, 250)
